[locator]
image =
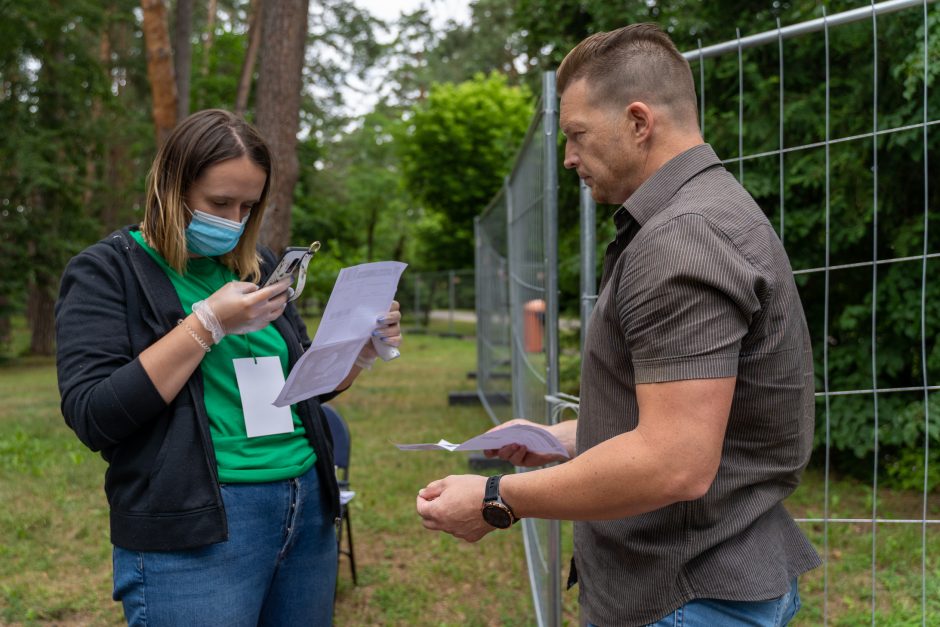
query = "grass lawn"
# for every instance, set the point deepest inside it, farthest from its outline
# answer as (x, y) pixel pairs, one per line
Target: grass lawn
(840, 592)
(55, 556)
(408, 575)
(460, 328)
(55, 564)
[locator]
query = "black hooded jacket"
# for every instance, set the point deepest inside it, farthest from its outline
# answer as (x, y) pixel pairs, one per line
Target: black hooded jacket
(162, 480)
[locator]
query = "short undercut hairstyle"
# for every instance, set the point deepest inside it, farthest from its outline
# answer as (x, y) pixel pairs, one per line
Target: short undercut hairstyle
(638, 62)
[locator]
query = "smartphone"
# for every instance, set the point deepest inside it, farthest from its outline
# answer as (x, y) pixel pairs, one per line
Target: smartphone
(287, 266)
(293, 263)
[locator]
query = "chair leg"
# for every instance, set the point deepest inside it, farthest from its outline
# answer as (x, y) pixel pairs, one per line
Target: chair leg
(339, 550)
(352, 553)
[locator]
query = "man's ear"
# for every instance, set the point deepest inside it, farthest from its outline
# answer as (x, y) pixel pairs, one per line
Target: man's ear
(640, 121)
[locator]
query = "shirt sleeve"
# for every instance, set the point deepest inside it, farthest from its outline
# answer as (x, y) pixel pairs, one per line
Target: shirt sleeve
(685, 299)
(106, 393)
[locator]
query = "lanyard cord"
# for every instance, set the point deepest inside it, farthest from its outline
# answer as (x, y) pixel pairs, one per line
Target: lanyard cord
(302, 274)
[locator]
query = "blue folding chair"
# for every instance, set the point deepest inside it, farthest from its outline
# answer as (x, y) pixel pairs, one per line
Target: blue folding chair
(341, 448)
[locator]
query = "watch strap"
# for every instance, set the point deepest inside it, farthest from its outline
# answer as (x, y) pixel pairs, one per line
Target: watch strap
(492, 488)
(491, 495)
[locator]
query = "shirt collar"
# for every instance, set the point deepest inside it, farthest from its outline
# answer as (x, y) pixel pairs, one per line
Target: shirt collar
(652, 195)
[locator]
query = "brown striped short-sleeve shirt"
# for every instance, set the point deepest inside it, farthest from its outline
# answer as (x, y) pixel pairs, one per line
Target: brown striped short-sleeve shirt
(697, 286)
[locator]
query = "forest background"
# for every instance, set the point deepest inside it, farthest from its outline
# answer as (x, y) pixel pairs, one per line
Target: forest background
(89, 88)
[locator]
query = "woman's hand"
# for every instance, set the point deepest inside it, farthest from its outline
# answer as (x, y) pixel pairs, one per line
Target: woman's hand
(241, 307)
(387, 331)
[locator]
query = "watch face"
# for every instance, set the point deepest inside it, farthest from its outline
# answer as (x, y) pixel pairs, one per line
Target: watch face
(496, 516)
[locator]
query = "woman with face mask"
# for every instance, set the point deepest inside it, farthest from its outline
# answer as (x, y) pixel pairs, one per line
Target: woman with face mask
(162, 332)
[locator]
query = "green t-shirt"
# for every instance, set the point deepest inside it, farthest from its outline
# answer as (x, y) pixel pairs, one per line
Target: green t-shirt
(241, 459)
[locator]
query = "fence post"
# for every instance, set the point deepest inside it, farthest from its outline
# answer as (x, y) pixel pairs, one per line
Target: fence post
(517, 371)
(588, 259)
(550, 126)
(452, 298)
(417, 300)
(477, 296)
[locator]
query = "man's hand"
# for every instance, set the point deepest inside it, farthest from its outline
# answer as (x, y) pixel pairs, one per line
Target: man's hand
(453, 505)
(519, 455)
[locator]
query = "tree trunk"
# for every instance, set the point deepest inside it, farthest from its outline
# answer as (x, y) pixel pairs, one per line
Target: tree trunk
(6, 325)
(43, 242)
(248, 67)
(183, 54)
(159, 67)
(91, 162)
(40, 313)
(210, 32)
(370, 232)
(41, 249)
(283, 31)
(118, 176)
(116, 201)
(41, 284)
(399, 250)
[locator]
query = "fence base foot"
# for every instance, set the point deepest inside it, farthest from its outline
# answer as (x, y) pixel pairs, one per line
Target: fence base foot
(471, 398)
(479, 462)
(493, 375)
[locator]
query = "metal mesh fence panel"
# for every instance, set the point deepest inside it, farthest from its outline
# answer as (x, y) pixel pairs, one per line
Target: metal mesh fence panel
(494, 348)
(531, 192)
(851, 200)
(527, 278)
(439, 302)
(844, 174)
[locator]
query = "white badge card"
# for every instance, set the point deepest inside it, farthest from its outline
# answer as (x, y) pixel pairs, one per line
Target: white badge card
(259, 381)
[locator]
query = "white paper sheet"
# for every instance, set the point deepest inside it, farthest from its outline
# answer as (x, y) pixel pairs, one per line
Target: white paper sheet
(535, 439)
(361, 294)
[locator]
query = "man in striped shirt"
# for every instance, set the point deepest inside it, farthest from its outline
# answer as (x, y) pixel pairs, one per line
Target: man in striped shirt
(697, 406)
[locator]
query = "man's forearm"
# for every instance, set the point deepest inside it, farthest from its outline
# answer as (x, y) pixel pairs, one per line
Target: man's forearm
(617, 478)
(672, 455)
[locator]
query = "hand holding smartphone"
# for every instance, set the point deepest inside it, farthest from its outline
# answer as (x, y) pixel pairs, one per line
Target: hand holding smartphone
(293, 263)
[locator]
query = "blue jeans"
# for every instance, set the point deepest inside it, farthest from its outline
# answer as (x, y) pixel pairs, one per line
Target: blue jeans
(714, 613)
(278, 566)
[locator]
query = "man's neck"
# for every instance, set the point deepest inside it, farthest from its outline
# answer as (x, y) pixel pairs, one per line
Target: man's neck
(663, 150)
(666, 148)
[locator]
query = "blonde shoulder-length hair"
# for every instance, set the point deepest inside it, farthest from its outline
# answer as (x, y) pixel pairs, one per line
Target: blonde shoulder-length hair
(200, 141)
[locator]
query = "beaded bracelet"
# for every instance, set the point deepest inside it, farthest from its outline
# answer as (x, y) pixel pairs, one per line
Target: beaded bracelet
(195, 335)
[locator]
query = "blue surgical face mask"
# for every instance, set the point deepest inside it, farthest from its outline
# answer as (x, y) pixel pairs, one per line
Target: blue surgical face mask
(210, 236)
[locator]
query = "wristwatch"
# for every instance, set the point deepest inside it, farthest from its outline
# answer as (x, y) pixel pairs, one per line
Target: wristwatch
(496, 512)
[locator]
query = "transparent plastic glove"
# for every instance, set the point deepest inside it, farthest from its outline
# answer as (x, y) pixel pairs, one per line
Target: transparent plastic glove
(386, 351)
(385, 340)
(239, 307)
